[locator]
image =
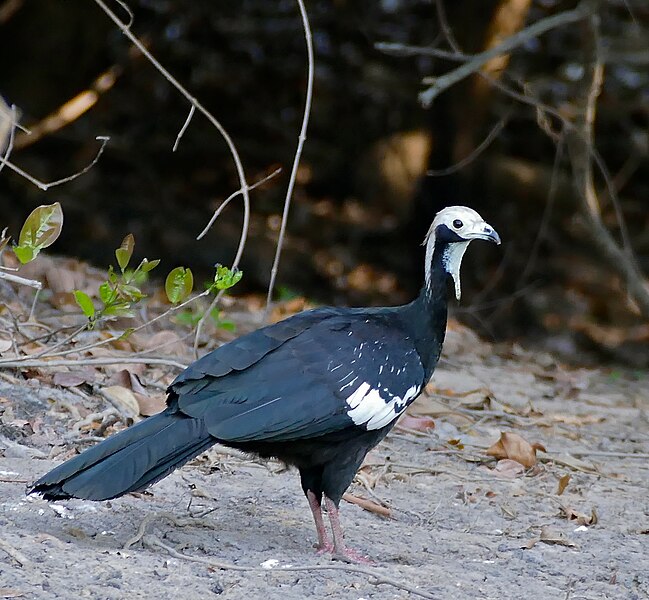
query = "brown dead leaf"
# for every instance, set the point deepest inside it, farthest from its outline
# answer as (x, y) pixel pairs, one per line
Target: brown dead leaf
(416, 423)
(73, 378)
(61, 279)
(577, 420)
(123, 399)
(563, 484)
(508, 468)
(288, 308)
(150, 405)
(368, 505)
(582, 519)
(164, 342)
(514, 447)
(550, 535)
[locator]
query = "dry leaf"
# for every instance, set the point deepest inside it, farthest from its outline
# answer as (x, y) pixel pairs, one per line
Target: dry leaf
(563, 484)
(5, 345)
(577, 420)
(123, 399)
(150, 405)
(514, 447)
(164, 342)
(73, 378)
(508, 468)
(416, 423)
(550, 535)
(580, 518)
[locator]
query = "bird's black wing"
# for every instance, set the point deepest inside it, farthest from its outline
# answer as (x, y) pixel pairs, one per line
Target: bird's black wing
(313, 374)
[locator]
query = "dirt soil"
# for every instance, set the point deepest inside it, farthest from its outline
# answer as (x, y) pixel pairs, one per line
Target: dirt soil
(461, 524)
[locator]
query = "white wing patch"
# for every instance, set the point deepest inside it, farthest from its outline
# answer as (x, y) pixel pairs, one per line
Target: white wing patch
(370, 409)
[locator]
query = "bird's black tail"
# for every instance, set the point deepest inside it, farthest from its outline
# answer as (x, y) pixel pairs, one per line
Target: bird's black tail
(128, 461)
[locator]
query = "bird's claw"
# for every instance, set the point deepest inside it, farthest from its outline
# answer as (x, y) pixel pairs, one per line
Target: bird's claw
(326, 548)
(349, 555)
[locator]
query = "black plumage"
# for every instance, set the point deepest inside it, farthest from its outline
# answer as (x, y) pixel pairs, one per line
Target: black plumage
(317, 390)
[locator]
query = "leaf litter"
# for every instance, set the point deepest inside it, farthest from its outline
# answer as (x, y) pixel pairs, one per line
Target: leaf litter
(464, 471)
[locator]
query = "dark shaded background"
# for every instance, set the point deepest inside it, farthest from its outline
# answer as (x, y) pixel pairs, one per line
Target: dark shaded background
(363, 202)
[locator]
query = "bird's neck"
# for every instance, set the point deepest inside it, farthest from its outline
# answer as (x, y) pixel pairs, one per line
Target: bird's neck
(426, 316)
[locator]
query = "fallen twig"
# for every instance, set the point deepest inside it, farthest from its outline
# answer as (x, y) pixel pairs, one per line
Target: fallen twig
(117, 360)
(375, 578)
(176, 521)
(17, 555)
(368, 505)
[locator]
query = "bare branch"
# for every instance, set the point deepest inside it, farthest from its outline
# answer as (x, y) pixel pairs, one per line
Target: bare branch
(580, 151)
(298, 152)
(7, 130)
(491, 136)
(37, 285)
(243, 185)
(46, 186)
(184, 127)
(231, 197)
(404, 50)
(476, 63)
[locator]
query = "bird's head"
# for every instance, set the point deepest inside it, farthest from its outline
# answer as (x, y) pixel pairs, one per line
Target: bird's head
(452, 230)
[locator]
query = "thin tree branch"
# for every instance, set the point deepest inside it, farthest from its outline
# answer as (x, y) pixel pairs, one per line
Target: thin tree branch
(46, 186)
(491, 136)
(243, 184)
(192, 109)
(406, 50)
(476, 63)
(298, 152)
(580, 151)
(11, 116)
(231, 197)
(20, 280)
(375, 577)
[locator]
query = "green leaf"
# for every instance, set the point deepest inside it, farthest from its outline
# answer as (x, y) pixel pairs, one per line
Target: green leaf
(42, 227)
(187, 317)
(119, 309)
(148, 265)
(106, 293)
(226, 278)
(85, 303)
(179, 284)
(227, 326)
(25, 253)
(125, 251)
(130, 292)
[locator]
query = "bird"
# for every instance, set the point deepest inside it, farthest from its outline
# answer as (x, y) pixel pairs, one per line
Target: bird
(317, 390)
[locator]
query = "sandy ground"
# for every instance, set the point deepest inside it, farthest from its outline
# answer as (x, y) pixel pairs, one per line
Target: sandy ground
(461, 525)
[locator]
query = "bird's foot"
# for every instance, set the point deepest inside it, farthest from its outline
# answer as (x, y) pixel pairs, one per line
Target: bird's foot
(349, 555)
(324, 548)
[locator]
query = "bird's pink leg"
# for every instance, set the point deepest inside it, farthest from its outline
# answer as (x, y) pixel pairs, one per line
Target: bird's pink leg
(324, 545)
(340, 551)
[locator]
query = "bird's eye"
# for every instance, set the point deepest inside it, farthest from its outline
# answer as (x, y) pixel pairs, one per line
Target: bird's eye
(458, 224)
